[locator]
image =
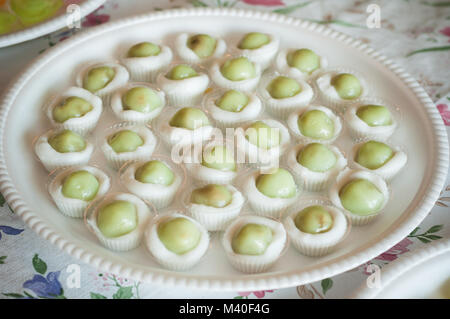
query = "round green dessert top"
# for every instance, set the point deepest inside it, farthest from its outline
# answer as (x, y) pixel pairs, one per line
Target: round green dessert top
(181, 72)
(67, 141)
(314, 220)
(303, 59)
(35, 11)
(117, 218)
(253, 40)
(232, 101)
(279, 184)
(262, 135)
(374, 115)
(213, 195)
(141, 99)
(179, 235)
(203, 45)
(98, 78)
(219, 158)
(8, 22)
(189, 118)
(283, 87)
(71, 107)
(347, 86)
(361, 197)
(80, 185)
(252, 239)
(373, 154)
(316, 124)
(155, 172)
(316, 157)
(238, 69)
(143, 50)
(125, 141)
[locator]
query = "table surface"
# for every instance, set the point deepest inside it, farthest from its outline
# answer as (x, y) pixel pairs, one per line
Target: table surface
(416, 34)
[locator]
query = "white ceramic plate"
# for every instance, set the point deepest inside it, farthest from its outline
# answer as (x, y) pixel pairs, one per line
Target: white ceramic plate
(48, 26)
(424, 273)
(414, 191)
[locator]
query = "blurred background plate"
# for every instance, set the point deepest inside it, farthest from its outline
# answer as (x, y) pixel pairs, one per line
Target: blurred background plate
(422, 274)
(54, 23)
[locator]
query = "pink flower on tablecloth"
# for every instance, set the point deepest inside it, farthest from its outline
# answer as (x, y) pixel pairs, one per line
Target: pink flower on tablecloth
(267, 3)
(392, 254)
(94, 19)
(445, 31)
(258, 294)
(445, 113)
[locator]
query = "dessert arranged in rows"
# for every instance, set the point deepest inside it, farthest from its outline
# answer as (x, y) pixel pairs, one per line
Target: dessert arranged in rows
(280, 174)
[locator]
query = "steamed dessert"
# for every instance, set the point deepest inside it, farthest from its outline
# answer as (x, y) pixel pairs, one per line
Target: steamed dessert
(128, 142)
(184, 126)
(262, 141)
(183, 85)
(236, 73)
(213, 163)
(253, 244)
(238, 69)
(144, 60)
(373, 155)
(73, 189)
(169, 234)
(62, 148)
(361, 197)
(283, 95)
(315, 124)
(255, 135)
(317, 157)
(138, 103)
(176, 241)
(259, 47)
(76, 109)
(189, 118)
(315, 165)
(300, 63)
(361, 194)
(270, 193)
(252, 239)
(347, 86)
(156, 180)
(102, 79)
(370, 120)
(374, 115)
(119, 221)
(379, 158)
(230, 108)
(315, 227)
(199, 48)
(214, 205)
(341, 88)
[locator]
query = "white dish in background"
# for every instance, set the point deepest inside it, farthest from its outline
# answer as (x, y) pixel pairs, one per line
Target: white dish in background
(424, 273)
(55, 23)
(22, 177)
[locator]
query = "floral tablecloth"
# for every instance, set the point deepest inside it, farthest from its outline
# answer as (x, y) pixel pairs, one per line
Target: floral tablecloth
(416, 34)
